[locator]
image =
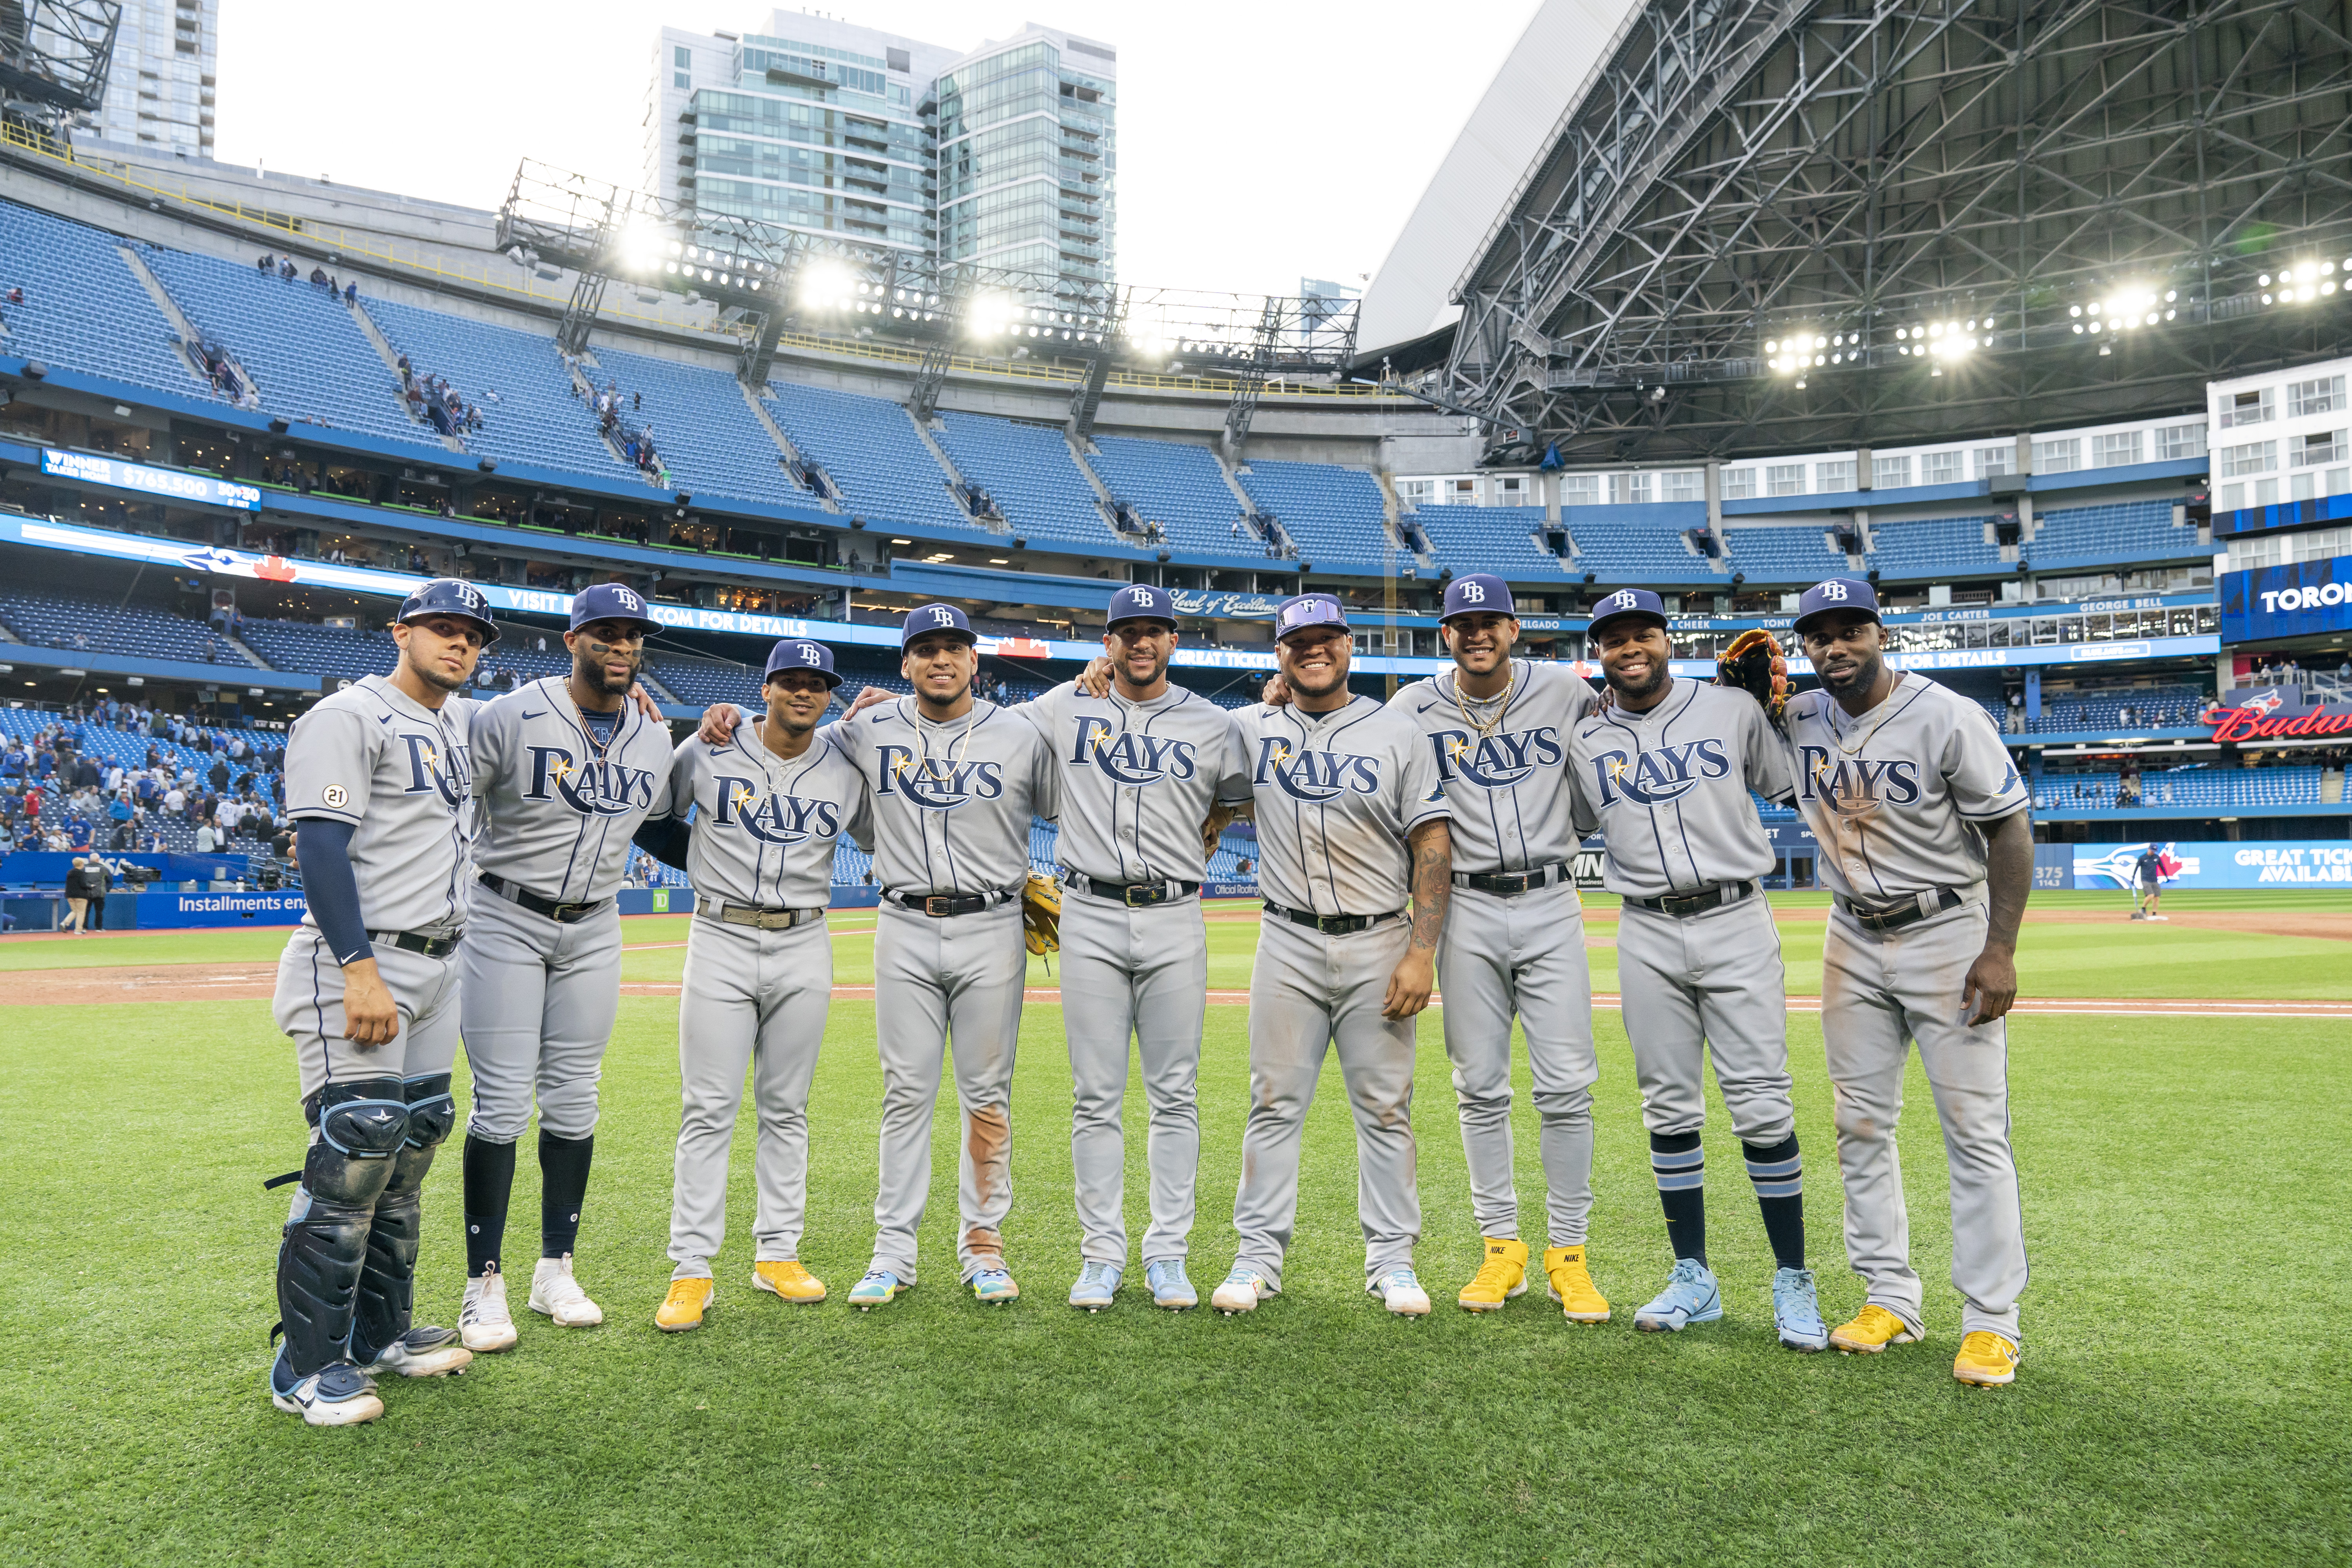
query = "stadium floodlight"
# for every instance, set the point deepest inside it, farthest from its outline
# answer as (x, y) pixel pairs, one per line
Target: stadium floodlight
(825, 285)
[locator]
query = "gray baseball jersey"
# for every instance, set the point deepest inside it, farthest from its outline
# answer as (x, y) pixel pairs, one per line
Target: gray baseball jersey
(950, 802)
(764, 829)
(1669, 789)
(1501, 763)
(1138, 779)
(558, 809)
(1336, 794)
(1897, 797)
(402, 774)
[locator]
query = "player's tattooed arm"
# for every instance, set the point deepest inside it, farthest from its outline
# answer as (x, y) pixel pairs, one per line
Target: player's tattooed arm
(1990, 988)
(1432, 887)
(1220, 818)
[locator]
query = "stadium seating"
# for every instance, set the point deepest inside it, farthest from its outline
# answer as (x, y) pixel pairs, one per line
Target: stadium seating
(337, 652)
(706, 437)
(871, 448)
(1333, 514)
(82, 308)
(1505, 539)
(97, 626)
(1794, 554)
(2150, 707)
(2122, 532)
(309, 360)
(1028, 470)
(1621, 550)
(529, 410)
(1178, 486)
(2216, 789)
(1933, 547)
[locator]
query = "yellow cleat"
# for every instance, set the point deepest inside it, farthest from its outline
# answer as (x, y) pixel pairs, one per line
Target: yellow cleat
(683, 1308)
(1872, 1330)
(788, 1279)
(1503, 1276)
(1580, 1301)
(1986, 1360)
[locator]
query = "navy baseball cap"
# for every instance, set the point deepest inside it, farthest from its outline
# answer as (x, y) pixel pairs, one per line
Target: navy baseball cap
(1141, 602)
(1301, 611)
(1627, 603)
(799, 653)
(925, 619)
(1837, 593)
(611, 602)
(449, 597)
(1479, 593)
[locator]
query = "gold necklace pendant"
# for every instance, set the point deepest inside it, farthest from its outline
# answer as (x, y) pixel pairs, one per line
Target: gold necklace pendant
(1501, 702)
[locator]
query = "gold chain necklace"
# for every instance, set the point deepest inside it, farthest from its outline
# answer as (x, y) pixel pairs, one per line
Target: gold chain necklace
(1860, 731)
(1501, 702)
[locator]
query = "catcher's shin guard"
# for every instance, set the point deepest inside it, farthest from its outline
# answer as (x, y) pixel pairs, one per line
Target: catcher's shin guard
(388, 1276)
(359, 1127)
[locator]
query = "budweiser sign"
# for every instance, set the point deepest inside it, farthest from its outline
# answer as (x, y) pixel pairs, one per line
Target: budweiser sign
(2274, 713)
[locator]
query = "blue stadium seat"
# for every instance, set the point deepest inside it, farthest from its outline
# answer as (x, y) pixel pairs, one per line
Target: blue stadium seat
(531, 412)
(1333, 514)
(1640, 544)
(83, 310)
(1182, 488)
(1029, 472)
(1933, 547)
(2119, 532)
(706, 434)
(870, 447)
(49, 620)
(1777, 554)
(1505, 539)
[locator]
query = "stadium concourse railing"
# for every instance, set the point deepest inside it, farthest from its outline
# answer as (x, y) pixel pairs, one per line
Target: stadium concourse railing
(267, 224)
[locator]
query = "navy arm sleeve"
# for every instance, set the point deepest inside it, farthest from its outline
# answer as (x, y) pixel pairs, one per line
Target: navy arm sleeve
(322, 849)
(666, 839)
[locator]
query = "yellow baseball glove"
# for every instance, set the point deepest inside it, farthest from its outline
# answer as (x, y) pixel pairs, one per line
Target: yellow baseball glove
(1041, 914)
(1754, 664)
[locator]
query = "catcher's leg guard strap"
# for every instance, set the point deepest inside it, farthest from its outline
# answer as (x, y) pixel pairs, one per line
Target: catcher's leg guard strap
(387, 1279)
(360, 1123)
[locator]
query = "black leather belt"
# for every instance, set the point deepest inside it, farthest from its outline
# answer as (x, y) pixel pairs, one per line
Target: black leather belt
(1134, 895)
(1682, 906)
(1332, 925)
(1895, 917)
(759, 918)
(1512, 883)
(411, 941)
(513, 893)
(941, 906)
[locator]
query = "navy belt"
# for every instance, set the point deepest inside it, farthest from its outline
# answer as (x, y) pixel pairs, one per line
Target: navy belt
(941, 906)
(413, 941)
(515, 894)
(1512, 883)
(1911, 911)
(1682, 906)
(1331, 925)
(1134, 895)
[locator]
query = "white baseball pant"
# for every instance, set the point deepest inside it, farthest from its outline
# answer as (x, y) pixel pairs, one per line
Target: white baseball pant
(539, 1000)
(308, 1006)
(1710, 984)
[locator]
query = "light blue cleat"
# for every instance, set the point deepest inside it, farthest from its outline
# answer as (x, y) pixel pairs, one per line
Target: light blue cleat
(1690, 1297)
(879, 1289)
(1170, 1288)
(995, 1286)
(1796, 1313)
(1097, 1285)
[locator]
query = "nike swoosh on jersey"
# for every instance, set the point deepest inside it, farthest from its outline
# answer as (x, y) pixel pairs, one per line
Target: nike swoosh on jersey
(534, 712)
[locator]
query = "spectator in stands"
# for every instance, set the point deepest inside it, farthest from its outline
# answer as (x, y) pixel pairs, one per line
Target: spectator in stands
(351, 292)
(217, 774)
(16, 762)
(268, 264)
(287, 270)
(206, 839)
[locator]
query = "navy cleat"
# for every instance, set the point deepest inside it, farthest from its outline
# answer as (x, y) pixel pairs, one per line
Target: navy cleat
(337, 1394)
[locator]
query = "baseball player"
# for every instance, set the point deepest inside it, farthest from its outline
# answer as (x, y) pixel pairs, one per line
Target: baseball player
(1351, 822)
(378, 779)
(565, 770)
(1664, 773)
(769, 805)
(1150, 774)
(1927, 841)
(954, 783)
(1513, 946)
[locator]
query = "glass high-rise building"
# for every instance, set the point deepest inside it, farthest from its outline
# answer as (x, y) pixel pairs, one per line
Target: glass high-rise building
(159, 92)
(1003, 156)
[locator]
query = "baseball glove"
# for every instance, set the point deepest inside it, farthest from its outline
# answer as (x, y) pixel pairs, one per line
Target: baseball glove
(1041, 914)
(1754, 664)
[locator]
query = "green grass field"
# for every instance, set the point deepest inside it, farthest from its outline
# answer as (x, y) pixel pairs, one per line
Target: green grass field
(2183, 1398)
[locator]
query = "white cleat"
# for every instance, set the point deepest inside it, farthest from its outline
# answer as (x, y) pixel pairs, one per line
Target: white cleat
(1243, 1289)
(554, 1293)
(484, 1324)
(1400, 1292)
(335, 1396)
(422, 1352)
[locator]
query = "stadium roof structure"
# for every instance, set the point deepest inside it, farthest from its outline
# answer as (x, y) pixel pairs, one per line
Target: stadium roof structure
(1975, 215)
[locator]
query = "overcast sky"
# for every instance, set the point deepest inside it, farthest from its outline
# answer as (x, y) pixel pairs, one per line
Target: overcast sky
(1260, 140)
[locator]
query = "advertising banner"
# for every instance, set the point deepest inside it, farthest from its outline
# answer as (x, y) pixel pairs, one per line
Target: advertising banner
(2298, 599)
(2207, 863)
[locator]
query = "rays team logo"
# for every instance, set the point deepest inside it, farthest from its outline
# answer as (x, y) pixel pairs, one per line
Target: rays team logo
(435, 767)
(1495, 762)
(1660, 776)
(594, 789)
(1315, 776)
(1856, 786)
(775, 818)
(938, 784)
(1125, 757)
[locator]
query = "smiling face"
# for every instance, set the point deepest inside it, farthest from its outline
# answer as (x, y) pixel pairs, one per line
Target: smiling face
(1633, 655)
(1314, 661)
(1848, 648)
(1138, 651)
(441, 649)
(1480, 640)
(939, 666)
(797, 700)
(606, 654)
